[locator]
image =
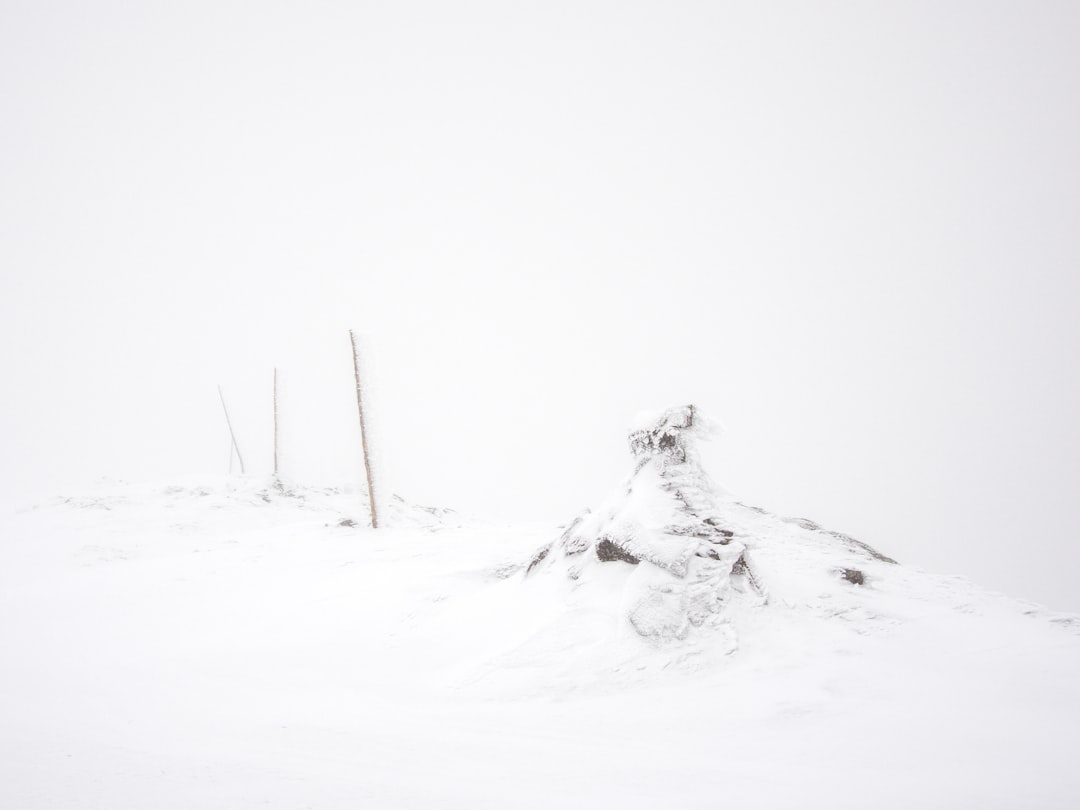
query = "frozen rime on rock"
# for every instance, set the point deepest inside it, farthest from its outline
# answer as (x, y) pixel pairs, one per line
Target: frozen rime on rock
(665, 525)
(671, 552)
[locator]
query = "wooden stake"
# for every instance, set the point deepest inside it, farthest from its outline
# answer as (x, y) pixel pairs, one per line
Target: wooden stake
(363, 432)
(232, 435)
(275, 426)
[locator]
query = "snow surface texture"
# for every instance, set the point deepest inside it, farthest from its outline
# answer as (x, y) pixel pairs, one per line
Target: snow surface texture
(233, 644)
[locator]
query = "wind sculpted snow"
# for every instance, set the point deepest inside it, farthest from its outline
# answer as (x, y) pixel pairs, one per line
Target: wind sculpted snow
(229, 644)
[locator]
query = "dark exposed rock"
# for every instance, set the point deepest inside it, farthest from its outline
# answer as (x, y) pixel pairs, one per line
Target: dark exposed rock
(853, 575)
(347, 523)
(722, 537)
(728, 533)
(742, 568)
(607, 551)
(539, 557)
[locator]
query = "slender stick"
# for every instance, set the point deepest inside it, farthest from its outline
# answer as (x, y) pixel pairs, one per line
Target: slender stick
(232, 435)
(275, 426)
(363, 433)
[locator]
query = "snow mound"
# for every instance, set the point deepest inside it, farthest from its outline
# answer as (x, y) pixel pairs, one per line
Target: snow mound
(686, 552)
(228, 643)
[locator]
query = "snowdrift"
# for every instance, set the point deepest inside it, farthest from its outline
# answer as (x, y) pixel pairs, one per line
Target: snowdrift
(234, 644)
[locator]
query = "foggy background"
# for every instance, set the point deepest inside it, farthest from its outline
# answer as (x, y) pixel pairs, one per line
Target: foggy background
(848, 231)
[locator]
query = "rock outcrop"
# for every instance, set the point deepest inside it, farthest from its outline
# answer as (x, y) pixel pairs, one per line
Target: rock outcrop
(666, 526)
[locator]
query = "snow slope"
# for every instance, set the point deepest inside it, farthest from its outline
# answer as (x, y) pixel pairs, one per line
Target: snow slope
(224, 644)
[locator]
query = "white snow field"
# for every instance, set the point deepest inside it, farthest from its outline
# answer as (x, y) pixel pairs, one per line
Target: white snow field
(228, 644)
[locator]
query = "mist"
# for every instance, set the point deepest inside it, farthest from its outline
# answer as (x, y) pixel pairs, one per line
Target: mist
(847, 232)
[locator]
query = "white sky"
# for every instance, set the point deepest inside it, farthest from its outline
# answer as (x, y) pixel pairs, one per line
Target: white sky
(848, 230)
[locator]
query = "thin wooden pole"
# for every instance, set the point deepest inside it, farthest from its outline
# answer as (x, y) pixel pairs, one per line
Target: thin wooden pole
(232, 435)
(363, 433)
(275, 426)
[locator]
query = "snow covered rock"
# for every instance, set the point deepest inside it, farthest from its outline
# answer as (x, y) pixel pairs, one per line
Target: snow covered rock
(666, 527)
(686, 552)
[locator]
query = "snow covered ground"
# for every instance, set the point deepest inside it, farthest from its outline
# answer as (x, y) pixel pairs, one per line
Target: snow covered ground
(223, 644)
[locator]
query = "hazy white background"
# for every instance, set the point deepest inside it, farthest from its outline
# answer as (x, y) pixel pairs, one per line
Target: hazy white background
(848, 230)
